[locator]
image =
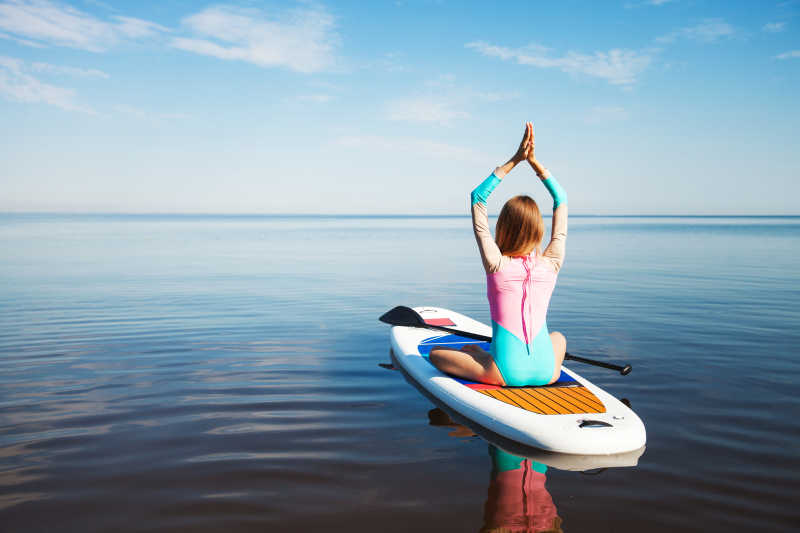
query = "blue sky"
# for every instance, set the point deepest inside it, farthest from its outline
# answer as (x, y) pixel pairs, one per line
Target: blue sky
(646, 107)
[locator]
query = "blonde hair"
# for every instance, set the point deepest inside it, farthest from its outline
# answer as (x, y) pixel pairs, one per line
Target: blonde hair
(520, 227)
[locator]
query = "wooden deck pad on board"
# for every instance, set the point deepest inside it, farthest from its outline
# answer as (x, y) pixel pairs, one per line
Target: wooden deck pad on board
(570, 399)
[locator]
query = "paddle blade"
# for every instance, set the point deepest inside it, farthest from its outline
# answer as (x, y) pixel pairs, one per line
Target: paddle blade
(403, 316)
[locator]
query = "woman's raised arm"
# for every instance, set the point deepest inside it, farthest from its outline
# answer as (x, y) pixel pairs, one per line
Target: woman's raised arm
(490, 253)
(558, 235)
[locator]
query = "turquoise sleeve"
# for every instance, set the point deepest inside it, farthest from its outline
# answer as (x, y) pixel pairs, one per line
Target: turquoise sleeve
(556, 191)
(481, 193)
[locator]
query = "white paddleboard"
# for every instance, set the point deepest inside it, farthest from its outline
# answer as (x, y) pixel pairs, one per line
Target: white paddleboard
(571, 416)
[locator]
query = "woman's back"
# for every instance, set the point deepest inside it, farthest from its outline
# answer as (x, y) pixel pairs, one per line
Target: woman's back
(519, 295)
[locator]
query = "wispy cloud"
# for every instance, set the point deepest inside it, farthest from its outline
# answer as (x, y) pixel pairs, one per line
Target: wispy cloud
(42, 22)
(788, 55)
(391, 62)
(617, 66)
(708, 31)
(303, 40)
(18, 84)
(137, 28)
(443, 100)
(26, 42)
(413, 147)
(774, 27)
(424, 110)
(47, 68)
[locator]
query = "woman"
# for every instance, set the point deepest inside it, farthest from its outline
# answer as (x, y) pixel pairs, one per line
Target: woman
(519, 280)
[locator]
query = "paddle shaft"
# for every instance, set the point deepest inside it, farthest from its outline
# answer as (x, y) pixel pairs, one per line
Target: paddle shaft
(624, 370)
(469, 335)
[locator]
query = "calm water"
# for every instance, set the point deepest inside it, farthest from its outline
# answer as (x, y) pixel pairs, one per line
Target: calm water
(221, 374)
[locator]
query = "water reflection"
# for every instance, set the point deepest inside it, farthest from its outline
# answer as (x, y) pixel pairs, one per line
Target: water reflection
(517, 498)
(561, 461)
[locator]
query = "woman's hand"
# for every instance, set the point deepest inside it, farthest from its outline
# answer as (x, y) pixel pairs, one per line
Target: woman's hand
(525, 146)
(525, 149)
(531, 157)
(530, 154)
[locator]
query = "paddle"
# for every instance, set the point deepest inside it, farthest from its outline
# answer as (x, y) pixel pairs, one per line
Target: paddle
(405, 316)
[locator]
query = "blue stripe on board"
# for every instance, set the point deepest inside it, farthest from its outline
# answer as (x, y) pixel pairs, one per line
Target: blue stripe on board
(456, 342)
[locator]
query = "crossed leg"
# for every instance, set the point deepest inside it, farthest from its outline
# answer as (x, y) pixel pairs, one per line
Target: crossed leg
(474, 363)
(470, 362)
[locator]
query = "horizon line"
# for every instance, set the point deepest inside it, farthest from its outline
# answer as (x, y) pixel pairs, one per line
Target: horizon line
(374, 215)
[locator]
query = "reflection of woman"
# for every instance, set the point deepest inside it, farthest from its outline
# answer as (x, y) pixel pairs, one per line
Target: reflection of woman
(518, 499)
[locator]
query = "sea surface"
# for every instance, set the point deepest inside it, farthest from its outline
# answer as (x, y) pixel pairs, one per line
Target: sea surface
(221, 373)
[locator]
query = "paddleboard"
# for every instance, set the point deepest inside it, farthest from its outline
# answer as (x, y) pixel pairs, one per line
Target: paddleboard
(570, 416)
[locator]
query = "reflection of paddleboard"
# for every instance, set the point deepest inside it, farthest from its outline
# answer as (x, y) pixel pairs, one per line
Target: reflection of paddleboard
(571, 416)
(561, 461)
